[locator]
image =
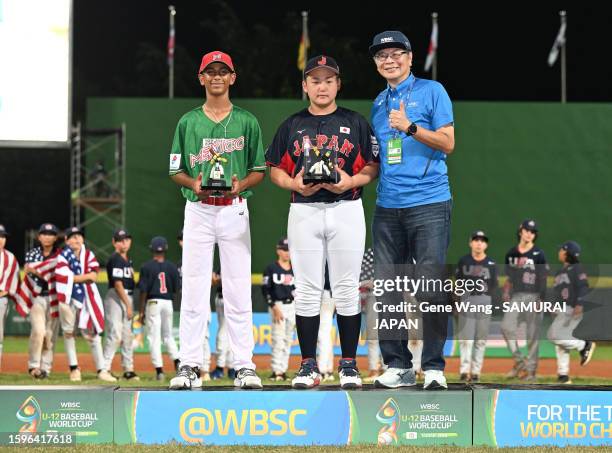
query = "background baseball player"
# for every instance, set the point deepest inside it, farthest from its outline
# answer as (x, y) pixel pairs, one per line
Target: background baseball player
(366, 285)
(571, 286)
(278, 289)
(222, 346)
(217, 128)
(119, 305)
(90, 317)
(159, 281)
(43, 325)
(9, 282)
(477, 270)
(526, 269)
(204, 374)
(326, 221)
(326, 337)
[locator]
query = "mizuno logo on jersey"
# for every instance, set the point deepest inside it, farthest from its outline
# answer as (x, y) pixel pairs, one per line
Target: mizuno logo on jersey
(219, 146)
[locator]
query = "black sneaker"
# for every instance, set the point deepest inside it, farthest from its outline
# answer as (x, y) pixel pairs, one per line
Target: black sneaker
(464, 377)
(130, 376)
(349, 374)
(217, 373)
(587, 353)
(187, 378)
(564, 379)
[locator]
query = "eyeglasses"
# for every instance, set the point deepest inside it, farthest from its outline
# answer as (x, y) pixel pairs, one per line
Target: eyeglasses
(212, 73)
(381, 56)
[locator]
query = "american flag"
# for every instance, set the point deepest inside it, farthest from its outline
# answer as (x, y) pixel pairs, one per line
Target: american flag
(9, 273)
(58, 271)
(92, 313)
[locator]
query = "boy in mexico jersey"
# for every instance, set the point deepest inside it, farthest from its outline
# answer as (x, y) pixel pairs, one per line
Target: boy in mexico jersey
(227, 139)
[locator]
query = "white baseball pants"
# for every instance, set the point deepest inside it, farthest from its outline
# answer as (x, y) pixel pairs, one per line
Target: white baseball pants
(118, 329)
(158, 323)
(228, 226)
(332, 232)
(473, 330)
(224, 353)
(282, 337)
(3, 315)
(560, 333)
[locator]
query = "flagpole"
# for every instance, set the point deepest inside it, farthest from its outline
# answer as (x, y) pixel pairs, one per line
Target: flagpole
(563, 18)
(172, 12)
(305, 35)
(434, 66)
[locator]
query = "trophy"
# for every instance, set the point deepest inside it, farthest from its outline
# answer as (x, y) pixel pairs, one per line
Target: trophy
(319, 165)
(216, 180)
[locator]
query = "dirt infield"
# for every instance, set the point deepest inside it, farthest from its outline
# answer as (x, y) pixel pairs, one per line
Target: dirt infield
(17, 363)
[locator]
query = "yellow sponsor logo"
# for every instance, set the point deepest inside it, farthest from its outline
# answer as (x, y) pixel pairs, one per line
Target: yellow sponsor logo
(197, 423)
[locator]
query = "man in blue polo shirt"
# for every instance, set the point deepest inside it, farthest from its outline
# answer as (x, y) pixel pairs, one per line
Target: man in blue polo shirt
(413, 122)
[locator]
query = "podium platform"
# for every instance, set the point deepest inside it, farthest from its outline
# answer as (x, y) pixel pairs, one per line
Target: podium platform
(525, 415)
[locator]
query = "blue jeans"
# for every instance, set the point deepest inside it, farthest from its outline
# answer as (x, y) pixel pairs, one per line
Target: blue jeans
(413, 242)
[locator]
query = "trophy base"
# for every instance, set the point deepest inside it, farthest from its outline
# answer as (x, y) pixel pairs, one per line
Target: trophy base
(215, 184)
(327, 179)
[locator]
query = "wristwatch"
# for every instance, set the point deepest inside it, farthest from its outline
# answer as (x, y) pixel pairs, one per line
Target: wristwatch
(412, 129)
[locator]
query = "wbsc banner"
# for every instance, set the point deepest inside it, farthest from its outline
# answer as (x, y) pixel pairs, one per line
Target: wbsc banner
(523, 418)
(232, 418)
(86, 413)
(293, 418)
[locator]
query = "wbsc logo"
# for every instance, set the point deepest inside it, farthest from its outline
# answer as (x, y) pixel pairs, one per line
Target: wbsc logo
(29, 413)
(389, 415)
(198, 423)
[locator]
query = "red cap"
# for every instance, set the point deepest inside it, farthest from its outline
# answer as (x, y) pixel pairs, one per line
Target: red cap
(216, 57)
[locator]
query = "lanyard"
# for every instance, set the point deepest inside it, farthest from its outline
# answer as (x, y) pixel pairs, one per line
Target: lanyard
(395, 131)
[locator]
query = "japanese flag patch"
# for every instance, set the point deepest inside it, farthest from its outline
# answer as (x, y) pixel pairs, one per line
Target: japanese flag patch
(175, 161)
(345, 130)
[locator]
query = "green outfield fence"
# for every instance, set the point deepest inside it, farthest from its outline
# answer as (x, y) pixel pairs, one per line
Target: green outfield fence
(511, 161)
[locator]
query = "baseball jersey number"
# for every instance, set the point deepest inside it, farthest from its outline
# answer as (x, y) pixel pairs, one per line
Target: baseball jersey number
(163, 289)
(529, 278)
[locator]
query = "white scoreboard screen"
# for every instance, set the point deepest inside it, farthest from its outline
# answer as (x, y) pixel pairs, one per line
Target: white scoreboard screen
(35, 72)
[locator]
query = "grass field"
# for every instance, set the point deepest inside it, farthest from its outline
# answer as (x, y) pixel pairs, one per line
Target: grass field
(347, 449)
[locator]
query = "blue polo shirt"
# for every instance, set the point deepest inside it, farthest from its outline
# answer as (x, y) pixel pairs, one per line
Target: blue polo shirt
(421, 178)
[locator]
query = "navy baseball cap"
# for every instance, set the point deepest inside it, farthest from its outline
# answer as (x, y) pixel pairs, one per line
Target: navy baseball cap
(321, 61)
(48, 228)
(390, 39)
(3, 231)
(283, 244)
(479, 234)
(572, 248)
(73, 230)
(159, 244)
(530, 225)
(120, 234)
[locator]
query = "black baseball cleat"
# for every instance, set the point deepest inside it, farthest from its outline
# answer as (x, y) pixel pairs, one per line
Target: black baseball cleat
(177, 364)
(564, 379)
(587, 352)
(464, 377)
(130, 376)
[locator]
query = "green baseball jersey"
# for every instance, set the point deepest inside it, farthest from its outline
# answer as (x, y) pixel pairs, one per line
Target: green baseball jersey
(236, 141)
